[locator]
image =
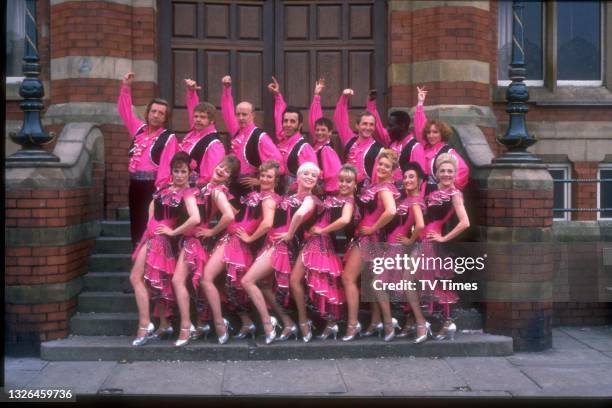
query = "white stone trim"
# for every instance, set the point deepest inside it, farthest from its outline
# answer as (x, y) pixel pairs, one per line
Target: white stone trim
(405, 5)
(134, 3)
(102, 67)
(442, 70)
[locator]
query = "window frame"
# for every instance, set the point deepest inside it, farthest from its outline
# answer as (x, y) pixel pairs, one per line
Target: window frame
(602, 166)
(567, 189)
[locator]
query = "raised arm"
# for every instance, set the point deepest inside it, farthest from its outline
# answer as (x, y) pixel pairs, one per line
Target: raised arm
(316, 112)
(227, 107)
(191, 98)
(420, 119)
(381, 134)
(341, 117)
(124, 105)
(279, 107)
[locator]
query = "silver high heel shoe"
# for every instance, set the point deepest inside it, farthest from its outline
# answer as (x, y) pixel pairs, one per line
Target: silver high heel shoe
(357, 331)
(270, 337)
(163, 334)
(378, 328)
(447, 332)
(293, 331)
(140, 341)
(307, 337)
(427, 334)
(192, 334)
(223, 339)
(330, 331)
(394, 325)
(201, 331)
(245, 331)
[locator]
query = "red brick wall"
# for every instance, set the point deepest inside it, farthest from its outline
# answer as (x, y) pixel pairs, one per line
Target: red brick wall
(584, 195)
(582, 313)
(514, 208)
(49, 320)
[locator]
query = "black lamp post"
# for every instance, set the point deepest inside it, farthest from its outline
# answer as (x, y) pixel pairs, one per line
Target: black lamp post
(517, 139)
(32, 136)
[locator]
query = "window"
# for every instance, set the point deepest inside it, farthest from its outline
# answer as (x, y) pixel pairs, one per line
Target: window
(15, 35)
(563, 43)
(604, 191)
(561, 191)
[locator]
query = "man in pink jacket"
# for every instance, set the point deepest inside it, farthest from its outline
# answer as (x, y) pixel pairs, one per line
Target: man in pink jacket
(249, 143)
(152, 149)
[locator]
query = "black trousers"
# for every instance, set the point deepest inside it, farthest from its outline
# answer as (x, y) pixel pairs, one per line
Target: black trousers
(140, 195)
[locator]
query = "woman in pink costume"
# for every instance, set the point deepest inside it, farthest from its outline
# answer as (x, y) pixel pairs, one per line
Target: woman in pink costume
(211, 198)
(291, 214)
(154, 258)
(403, 232)
(441, 204)
(319, 263)
(434, 138)
(377, 206)
(233, 251)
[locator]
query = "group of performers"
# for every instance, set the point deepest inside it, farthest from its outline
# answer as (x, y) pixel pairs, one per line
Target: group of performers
(253, 226)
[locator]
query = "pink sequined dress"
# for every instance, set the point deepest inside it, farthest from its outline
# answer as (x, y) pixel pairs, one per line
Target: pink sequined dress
(198, 251)
(371, 207)
(439, 210)
(284, 253)
(323, 268)
(237, 254)
(160, 259)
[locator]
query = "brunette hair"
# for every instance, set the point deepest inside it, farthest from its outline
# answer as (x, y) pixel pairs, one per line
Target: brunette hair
(178, 159)
(207, 108)
(158, 101)
(233, 164)
(416, 167)
(364, 113)
(445, 131)
(324, 122)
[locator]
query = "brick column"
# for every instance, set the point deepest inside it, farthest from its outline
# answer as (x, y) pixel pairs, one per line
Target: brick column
(514, 207)
(448, 47)
(94, 44)
(51, 223)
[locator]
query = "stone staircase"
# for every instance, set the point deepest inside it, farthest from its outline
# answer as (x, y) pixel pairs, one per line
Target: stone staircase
(106, 320)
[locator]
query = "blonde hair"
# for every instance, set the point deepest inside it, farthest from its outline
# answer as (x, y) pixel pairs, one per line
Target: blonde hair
(390, 155)
(308, 166)
(446, 158)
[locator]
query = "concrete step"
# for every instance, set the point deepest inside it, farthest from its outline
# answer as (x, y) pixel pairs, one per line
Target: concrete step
(110, 262)
(106, 302)
(115, 228)
(113, 245)
(104, 324)
(107, 281)
(118, 348)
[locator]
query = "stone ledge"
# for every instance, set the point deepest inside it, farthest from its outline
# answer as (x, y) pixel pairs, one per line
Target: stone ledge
(582, 231)
(55, 236)
(41, 294)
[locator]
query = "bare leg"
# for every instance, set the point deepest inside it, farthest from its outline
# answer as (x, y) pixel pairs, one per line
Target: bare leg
(297, 289)
(270, 297)
(260, 269)
(213, 268)
(140, 291)
(164, 323)
(182, 295)
(352, 269)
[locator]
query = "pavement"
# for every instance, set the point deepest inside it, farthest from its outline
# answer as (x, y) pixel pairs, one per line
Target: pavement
(578, 365)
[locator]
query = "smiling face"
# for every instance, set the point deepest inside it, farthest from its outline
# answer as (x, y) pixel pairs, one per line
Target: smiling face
(411, 181)
(244, 114)
(180, 175)
(267, 180)
(366, 126)
(291, 124)
(157, 115)
(346, 183)
(433, 135)
(221, 173)
(446, 175)
(307, 178)
(384, 169)
(322, 134)
(200, 120)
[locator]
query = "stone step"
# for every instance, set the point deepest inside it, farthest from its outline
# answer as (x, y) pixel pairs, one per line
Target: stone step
(115, 228)
(113, 245)
(110, 262)
(107, 281)
(119, 348)
(106, 302)
(104, 324)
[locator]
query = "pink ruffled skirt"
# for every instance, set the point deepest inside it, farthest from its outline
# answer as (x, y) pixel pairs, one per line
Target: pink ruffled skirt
(238, 258)
(196, 257)
(323, 271)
